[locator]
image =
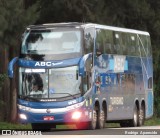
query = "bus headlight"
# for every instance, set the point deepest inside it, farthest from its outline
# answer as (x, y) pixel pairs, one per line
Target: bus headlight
(23, 116)
(76, 115)
(75, 106)
(24, 108)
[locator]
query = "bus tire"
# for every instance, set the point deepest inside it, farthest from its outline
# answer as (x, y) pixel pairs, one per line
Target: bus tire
(93, 123)
(134, 121)
(101, 118)
(141, 115)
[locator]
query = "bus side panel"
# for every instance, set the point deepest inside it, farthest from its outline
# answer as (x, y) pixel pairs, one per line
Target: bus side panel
(120, 88)
(147, 68)
(149, 100)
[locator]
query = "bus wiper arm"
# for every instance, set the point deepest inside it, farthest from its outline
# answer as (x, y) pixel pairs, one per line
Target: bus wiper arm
(69, 94)
(29, 97)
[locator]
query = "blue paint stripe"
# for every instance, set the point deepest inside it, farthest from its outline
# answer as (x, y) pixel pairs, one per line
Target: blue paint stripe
(51, 64)
(11, 67)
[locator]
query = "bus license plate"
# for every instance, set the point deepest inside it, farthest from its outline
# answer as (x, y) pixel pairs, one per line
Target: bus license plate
(46, 118)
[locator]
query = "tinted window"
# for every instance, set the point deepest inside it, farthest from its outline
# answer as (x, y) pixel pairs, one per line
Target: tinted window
(52, 42)
(117, 43)
(89, 40)
(143, 45)
(149, 50)
(104, 41)
(132, 44)
(100, 38)
(150, 83)
(122, 43)
(108, 42)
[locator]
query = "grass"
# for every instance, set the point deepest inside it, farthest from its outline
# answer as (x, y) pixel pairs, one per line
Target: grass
(152, 122)
(4, 125)
(112, 125)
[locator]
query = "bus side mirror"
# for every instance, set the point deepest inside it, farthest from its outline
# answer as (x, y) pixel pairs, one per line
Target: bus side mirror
(82, 64)
(11, 67)
(98, 52)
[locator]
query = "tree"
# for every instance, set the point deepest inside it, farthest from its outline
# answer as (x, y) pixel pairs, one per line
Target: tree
(14, 18)
(15, 15)
(52, 11)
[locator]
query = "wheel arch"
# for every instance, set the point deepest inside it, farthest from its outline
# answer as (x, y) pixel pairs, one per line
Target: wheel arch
(137, 104)
(97, 105)
(143, 104)
(104, 105)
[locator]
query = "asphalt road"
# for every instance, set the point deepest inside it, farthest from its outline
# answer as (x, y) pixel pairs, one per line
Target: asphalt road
(136, 132)
(145, 130)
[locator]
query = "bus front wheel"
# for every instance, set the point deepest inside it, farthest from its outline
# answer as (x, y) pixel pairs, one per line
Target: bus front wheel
(93, 123)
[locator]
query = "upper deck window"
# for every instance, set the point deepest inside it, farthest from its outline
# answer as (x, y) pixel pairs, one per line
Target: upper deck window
(56, 41)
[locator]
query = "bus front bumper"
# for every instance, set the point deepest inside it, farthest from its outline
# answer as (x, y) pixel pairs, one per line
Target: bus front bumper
(72, 116)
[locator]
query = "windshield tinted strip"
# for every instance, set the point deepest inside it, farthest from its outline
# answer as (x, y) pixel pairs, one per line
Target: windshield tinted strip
(56, 41)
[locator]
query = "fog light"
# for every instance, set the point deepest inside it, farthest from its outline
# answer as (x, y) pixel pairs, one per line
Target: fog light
(76, 115)
(23, 116)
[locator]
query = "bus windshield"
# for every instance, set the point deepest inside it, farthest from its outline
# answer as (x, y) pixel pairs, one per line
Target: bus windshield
(49, 83)
(55, 41)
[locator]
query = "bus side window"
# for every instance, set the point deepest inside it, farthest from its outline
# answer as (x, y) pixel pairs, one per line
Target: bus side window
(108, 42)
(117, 43)
(89, 40)
(142, 45)
(149, 50)
(86, 81)
(104, 42)
(100, 36)
(89, 36)
(132, 45)
(147, 46)
(124, 44)
(150, 83)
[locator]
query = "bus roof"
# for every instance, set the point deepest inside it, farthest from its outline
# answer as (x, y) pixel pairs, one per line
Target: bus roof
(85, 25)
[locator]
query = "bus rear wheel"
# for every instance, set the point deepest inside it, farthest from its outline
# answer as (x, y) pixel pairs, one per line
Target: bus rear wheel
(134, 121)
(101, 119)
(141, 116)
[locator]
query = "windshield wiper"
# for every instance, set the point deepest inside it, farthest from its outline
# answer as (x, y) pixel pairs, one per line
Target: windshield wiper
(69, 94)
(32, 51)
(29, 97)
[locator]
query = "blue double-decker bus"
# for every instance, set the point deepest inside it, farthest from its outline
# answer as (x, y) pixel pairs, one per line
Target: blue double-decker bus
(84, 74)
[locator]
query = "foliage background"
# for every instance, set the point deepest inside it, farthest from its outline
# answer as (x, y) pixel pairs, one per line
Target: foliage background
(15, 15)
